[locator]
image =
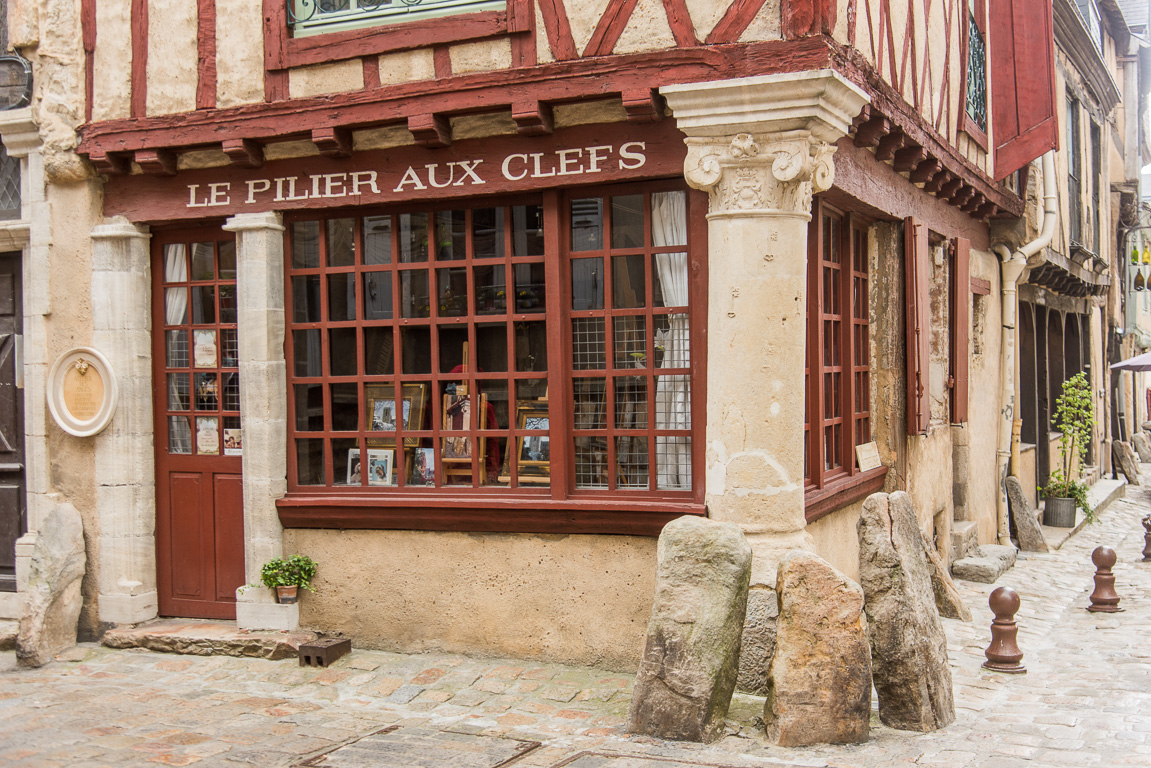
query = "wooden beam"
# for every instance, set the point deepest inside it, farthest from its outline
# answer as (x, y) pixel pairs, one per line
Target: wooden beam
(948, 190)
(974, 203)
(158, 162)
(870, 133)
(925, 171)
(735, 21)
(111, 163)
(908, 158)
(942, 177)
(244, 152)
(206, 51)
(430, 130)
(986, 211)
(138, 99)
(333, 142)
(643, 105)
(889, 145)
(533, 118)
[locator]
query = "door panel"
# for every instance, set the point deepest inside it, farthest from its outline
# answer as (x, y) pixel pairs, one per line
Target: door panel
(13, 520)
(195, 392)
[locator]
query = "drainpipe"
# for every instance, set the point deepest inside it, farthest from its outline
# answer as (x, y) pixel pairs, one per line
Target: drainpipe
(1011, 268)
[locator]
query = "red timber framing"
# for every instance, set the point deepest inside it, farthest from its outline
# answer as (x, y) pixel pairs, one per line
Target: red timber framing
(591, 257)
(837, 371)
(139, 22)
(206, 44)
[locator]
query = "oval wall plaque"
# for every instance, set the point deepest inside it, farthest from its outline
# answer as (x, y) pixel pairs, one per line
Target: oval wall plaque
(82, 392)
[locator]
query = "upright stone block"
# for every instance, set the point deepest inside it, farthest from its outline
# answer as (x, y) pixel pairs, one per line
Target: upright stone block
(1142, 446)
(52, 609)
(819, 684)
(1124, 458)
(758, 643)
(908, 645)
(1027, 528)
(690, 660)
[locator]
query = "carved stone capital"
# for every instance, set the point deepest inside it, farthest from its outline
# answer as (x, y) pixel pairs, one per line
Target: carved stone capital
(764, 175)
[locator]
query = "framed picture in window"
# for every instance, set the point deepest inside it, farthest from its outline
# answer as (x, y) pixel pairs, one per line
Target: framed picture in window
(533, 448)
(384, 413)
(378, 466)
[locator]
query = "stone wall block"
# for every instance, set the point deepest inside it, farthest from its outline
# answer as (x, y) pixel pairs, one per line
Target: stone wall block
(1124, 457)
(262, 391)
(1027, 529)
(908, 645)
(53, 600)
(126, 510)
(758, 643)
(127, 566)
(261, 334)
(691, 656)
(819, 683)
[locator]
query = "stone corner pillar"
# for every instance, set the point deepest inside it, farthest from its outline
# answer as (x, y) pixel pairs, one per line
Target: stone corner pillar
(263, 408)
(124, 461)
(760, 147)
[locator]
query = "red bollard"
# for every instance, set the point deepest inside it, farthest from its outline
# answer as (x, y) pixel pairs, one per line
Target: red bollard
(1003, 655)
(1104, 599)
(1147, 539)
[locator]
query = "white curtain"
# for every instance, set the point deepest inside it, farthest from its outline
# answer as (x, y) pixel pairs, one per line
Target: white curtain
(175, 271)
(673, 391)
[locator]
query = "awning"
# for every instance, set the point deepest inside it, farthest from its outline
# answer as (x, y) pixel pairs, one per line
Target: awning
(1138, 363)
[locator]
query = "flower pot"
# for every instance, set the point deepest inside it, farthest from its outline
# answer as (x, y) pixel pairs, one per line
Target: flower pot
(1059, 512)
(286, 595)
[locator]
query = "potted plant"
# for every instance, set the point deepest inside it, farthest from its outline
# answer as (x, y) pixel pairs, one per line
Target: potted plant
(287, 575)
(1075, 418)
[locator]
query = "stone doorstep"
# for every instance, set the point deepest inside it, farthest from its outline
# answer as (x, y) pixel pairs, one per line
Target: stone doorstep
(8, 632)
(1100, 496)
(964, 538)
(208, 638)
(985, 566)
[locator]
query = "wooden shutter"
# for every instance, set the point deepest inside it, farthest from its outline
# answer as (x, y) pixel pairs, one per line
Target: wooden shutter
(916, 251)
(1021, 58)
(960, 328)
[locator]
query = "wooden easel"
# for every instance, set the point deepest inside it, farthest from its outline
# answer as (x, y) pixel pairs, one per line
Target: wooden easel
(460, 467)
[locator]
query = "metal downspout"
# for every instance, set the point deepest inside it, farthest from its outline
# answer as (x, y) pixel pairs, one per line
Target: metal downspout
(1011, 268)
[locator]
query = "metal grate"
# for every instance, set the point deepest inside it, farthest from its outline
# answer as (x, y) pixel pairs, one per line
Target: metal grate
(9, 186)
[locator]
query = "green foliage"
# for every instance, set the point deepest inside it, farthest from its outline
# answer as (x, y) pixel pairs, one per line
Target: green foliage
(297, 569)
(1075, 418)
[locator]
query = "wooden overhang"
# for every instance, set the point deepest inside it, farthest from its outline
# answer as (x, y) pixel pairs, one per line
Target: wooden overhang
(888, 126)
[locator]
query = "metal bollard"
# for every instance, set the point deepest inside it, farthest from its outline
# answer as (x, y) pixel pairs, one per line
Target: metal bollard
(1147, 539)
(1003, 655)
(1104, 599)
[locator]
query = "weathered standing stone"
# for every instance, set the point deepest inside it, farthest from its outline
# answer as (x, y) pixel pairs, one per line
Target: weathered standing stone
(758, 643)
(908, 646)
(691, 657)
(947, 598)
(1124, 457)
(819, 683)
(52, 608)
(1027, 528)
(1142, 446)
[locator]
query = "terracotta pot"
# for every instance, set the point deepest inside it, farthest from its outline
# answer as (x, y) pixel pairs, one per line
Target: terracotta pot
(1059, 512)
(286, 594)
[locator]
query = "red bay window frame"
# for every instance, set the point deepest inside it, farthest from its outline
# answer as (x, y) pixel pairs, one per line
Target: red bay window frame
(560, 508)
(966, 123)
(282, 51)
(825, 490)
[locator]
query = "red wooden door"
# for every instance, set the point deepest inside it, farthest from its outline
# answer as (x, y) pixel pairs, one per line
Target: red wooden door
(196, 397)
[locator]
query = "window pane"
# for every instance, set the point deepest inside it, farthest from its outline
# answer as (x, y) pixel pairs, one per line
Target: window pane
(203, 304)
(203, 261)
(377, 240)
(310, 461)
(341, 242)
(175, 306)
(452, 339)
(587, 224)
(591, 462)
(179, 392)
(309, 407)
(531, 389)
(527, 230)
(379, 357)
(416, 349)
(452, 291)
(631, 462)
(587, 284)
(627, 280)
(207, 392)
(627, 221)
(227, 304)
(630, 342)
(491, 289)
(346, 466)
(413, 237)
(306, 299)
(342, 297)
(377, 295)
(588, 343)
(231, 391)
(179, 435)
(589, 398)
(531, 296)
(669, 218)
(306, 352)
(451, 235)
(208, 435)
(345, 407)
(498, 410)
(531, 341)
(227, 259)
(414, 293)
(488, 233)
(305, 245)
(631, 402)
(491, 347)
(672, 340)
(669, 282)
(177, 346)
(673, 402)
(342, 352)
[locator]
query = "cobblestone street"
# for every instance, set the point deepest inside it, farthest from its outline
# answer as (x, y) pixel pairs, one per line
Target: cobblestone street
(1085, 700)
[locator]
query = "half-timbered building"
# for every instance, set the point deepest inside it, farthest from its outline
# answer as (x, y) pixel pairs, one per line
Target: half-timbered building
(466, 299)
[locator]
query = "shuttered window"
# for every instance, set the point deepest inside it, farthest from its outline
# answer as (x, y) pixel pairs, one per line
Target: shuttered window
(918, 324)
(959, 354)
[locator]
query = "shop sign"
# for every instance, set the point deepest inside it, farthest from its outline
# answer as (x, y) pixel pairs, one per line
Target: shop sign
(500, 165)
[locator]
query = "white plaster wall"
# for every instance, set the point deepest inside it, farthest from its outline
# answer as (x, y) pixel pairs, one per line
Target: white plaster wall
(836, 539)
(173, 57)
(321, 79)
(482, 56)
(112, 61)
(583, 15)
(407, 66)
(983, 404)
(647, 29)
(544, 53)
(765, 25)
(239, 53)
(705, 14)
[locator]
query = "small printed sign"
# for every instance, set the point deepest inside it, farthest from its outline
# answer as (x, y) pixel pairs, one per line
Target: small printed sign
(867, 456)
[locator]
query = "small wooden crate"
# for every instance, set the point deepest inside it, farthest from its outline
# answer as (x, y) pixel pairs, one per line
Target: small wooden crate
(322, 651)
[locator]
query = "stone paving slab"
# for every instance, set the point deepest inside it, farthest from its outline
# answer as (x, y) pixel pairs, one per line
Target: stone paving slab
(415, 747)
(1085, 700)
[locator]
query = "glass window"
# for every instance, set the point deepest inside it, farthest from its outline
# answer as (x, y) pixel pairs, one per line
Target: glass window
(313, 17)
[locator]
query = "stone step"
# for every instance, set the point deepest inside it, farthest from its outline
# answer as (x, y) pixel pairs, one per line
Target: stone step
(964, 538)
(986, 565)
(208, 638)
(8, 632)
